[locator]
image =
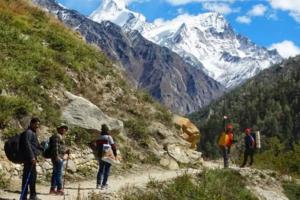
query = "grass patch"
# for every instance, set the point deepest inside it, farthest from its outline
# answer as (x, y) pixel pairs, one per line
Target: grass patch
(211, 184)
(137, 129)
(37, 52)
(4, 182)
(292, 190)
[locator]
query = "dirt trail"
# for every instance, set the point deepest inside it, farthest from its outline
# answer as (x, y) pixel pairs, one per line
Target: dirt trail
(139, 179)
(260, 182)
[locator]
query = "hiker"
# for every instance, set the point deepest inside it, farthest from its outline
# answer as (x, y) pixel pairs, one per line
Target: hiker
(249, 147)
(105, 144)
(30, 148)
(225, 142)
(58, 154)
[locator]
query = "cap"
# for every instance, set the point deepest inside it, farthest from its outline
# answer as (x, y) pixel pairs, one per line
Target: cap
(63, 125)
(229, 126)
(247, 130)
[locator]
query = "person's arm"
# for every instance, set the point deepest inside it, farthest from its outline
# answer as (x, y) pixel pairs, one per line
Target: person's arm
(113, 145)
(55, 144)
(27, 146)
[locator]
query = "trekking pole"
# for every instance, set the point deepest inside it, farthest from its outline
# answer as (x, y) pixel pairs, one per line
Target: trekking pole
(65, 175)
(26, 184)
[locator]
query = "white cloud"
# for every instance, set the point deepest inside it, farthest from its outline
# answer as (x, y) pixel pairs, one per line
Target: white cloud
(244, 19)
(292, 6)
(258, 10)
(183, 2)
(222, 8)
(286, 48)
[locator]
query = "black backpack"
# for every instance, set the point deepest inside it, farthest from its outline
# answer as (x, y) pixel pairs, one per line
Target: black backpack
(12, 149)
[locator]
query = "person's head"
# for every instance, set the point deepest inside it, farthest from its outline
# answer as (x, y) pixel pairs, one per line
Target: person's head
(34, 124)
(247, 131)
(104, 128)
(62, 129)
(229, 127)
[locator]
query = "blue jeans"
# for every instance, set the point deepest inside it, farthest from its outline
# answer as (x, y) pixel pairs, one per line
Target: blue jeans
(226, 152)
(103, 173)
(56, 180)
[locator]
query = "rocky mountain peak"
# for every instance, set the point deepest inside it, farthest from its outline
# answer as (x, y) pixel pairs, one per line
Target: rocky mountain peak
(112, 5)
(202, 40)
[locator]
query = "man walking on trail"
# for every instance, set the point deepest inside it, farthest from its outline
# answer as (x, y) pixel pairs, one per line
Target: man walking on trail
(58, 155)
(30, 148)
(106, 148)
(225, 142)
(249, 147)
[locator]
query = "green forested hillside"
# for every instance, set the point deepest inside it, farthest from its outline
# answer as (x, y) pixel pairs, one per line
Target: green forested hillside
(39, 55)
(269, 102)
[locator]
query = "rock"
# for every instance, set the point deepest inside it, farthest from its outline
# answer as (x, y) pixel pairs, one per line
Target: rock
(169, 162)
(286, 178)
(71, 166)
(178, 153)
(82, 113)
(160, 129)
(39, 170)
(46, 166)
(189, 131)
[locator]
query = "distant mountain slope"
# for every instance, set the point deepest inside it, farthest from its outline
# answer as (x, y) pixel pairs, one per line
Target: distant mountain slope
(270, 102)
(206, 41)
(164, 74)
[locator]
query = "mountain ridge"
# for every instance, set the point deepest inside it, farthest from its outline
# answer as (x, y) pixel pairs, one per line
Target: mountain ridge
(163, 73)
(202, 43)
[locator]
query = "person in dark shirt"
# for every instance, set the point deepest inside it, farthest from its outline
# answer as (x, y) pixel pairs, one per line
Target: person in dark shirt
(249, 147)
(58, 154)
(30, 148)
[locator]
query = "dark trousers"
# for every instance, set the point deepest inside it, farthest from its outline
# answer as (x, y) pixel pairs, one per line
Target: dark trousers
(103, 173)
(225, 153)
(29, 169)
(247, 153)
(56, 180)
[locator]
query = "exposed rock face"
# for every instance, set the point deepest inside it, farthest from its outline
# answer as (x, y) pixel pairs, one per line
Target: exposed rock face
(167, 77)
(82, 113)
(188, 131)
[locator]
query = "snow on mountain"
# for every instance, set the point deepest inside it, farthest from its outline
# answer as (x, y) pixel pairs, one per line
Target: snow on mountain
(206, 39)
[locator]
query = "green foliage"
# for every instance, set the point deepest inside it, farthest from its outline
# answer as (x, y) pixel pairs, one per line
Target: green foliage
(277, 157)
(270, 102)
(138, 130)
(79, 136)
(10, 132)
(212, 184)
(13, 107)
(37, 54)
(292, 190)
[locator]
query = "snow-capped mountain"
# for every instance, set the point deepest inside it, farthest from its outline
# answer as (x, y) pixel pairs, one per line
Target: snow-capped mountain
(151, 67)
(206, 39)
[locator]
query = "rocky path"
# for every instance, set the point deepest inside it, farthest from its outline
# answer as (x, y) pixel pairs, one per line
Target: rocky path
(116, 183)
(260, 182)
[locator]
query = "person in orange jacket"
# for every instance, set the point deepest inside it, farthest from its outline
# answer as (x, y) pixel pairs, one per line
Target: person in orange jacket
(225, 142)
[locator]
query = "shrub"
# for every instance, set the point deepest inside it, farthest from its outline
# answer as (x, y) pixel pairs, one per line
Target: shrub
(137, 129)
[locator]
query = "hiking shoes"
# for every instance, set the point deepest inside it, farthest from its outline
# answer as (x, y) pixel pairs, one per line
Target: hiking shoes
(52, 191)
(60, 192)
(98, 186)
(34, 198)
(103, 187)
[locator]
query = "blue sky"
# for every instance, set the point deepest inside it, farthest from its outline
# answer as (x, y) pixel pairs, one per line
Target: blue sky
(268, 23)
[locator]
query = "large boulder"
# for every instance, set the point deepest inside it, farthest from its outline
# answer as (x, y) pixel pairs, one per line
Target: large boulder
(82, 113)
(188, 131)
